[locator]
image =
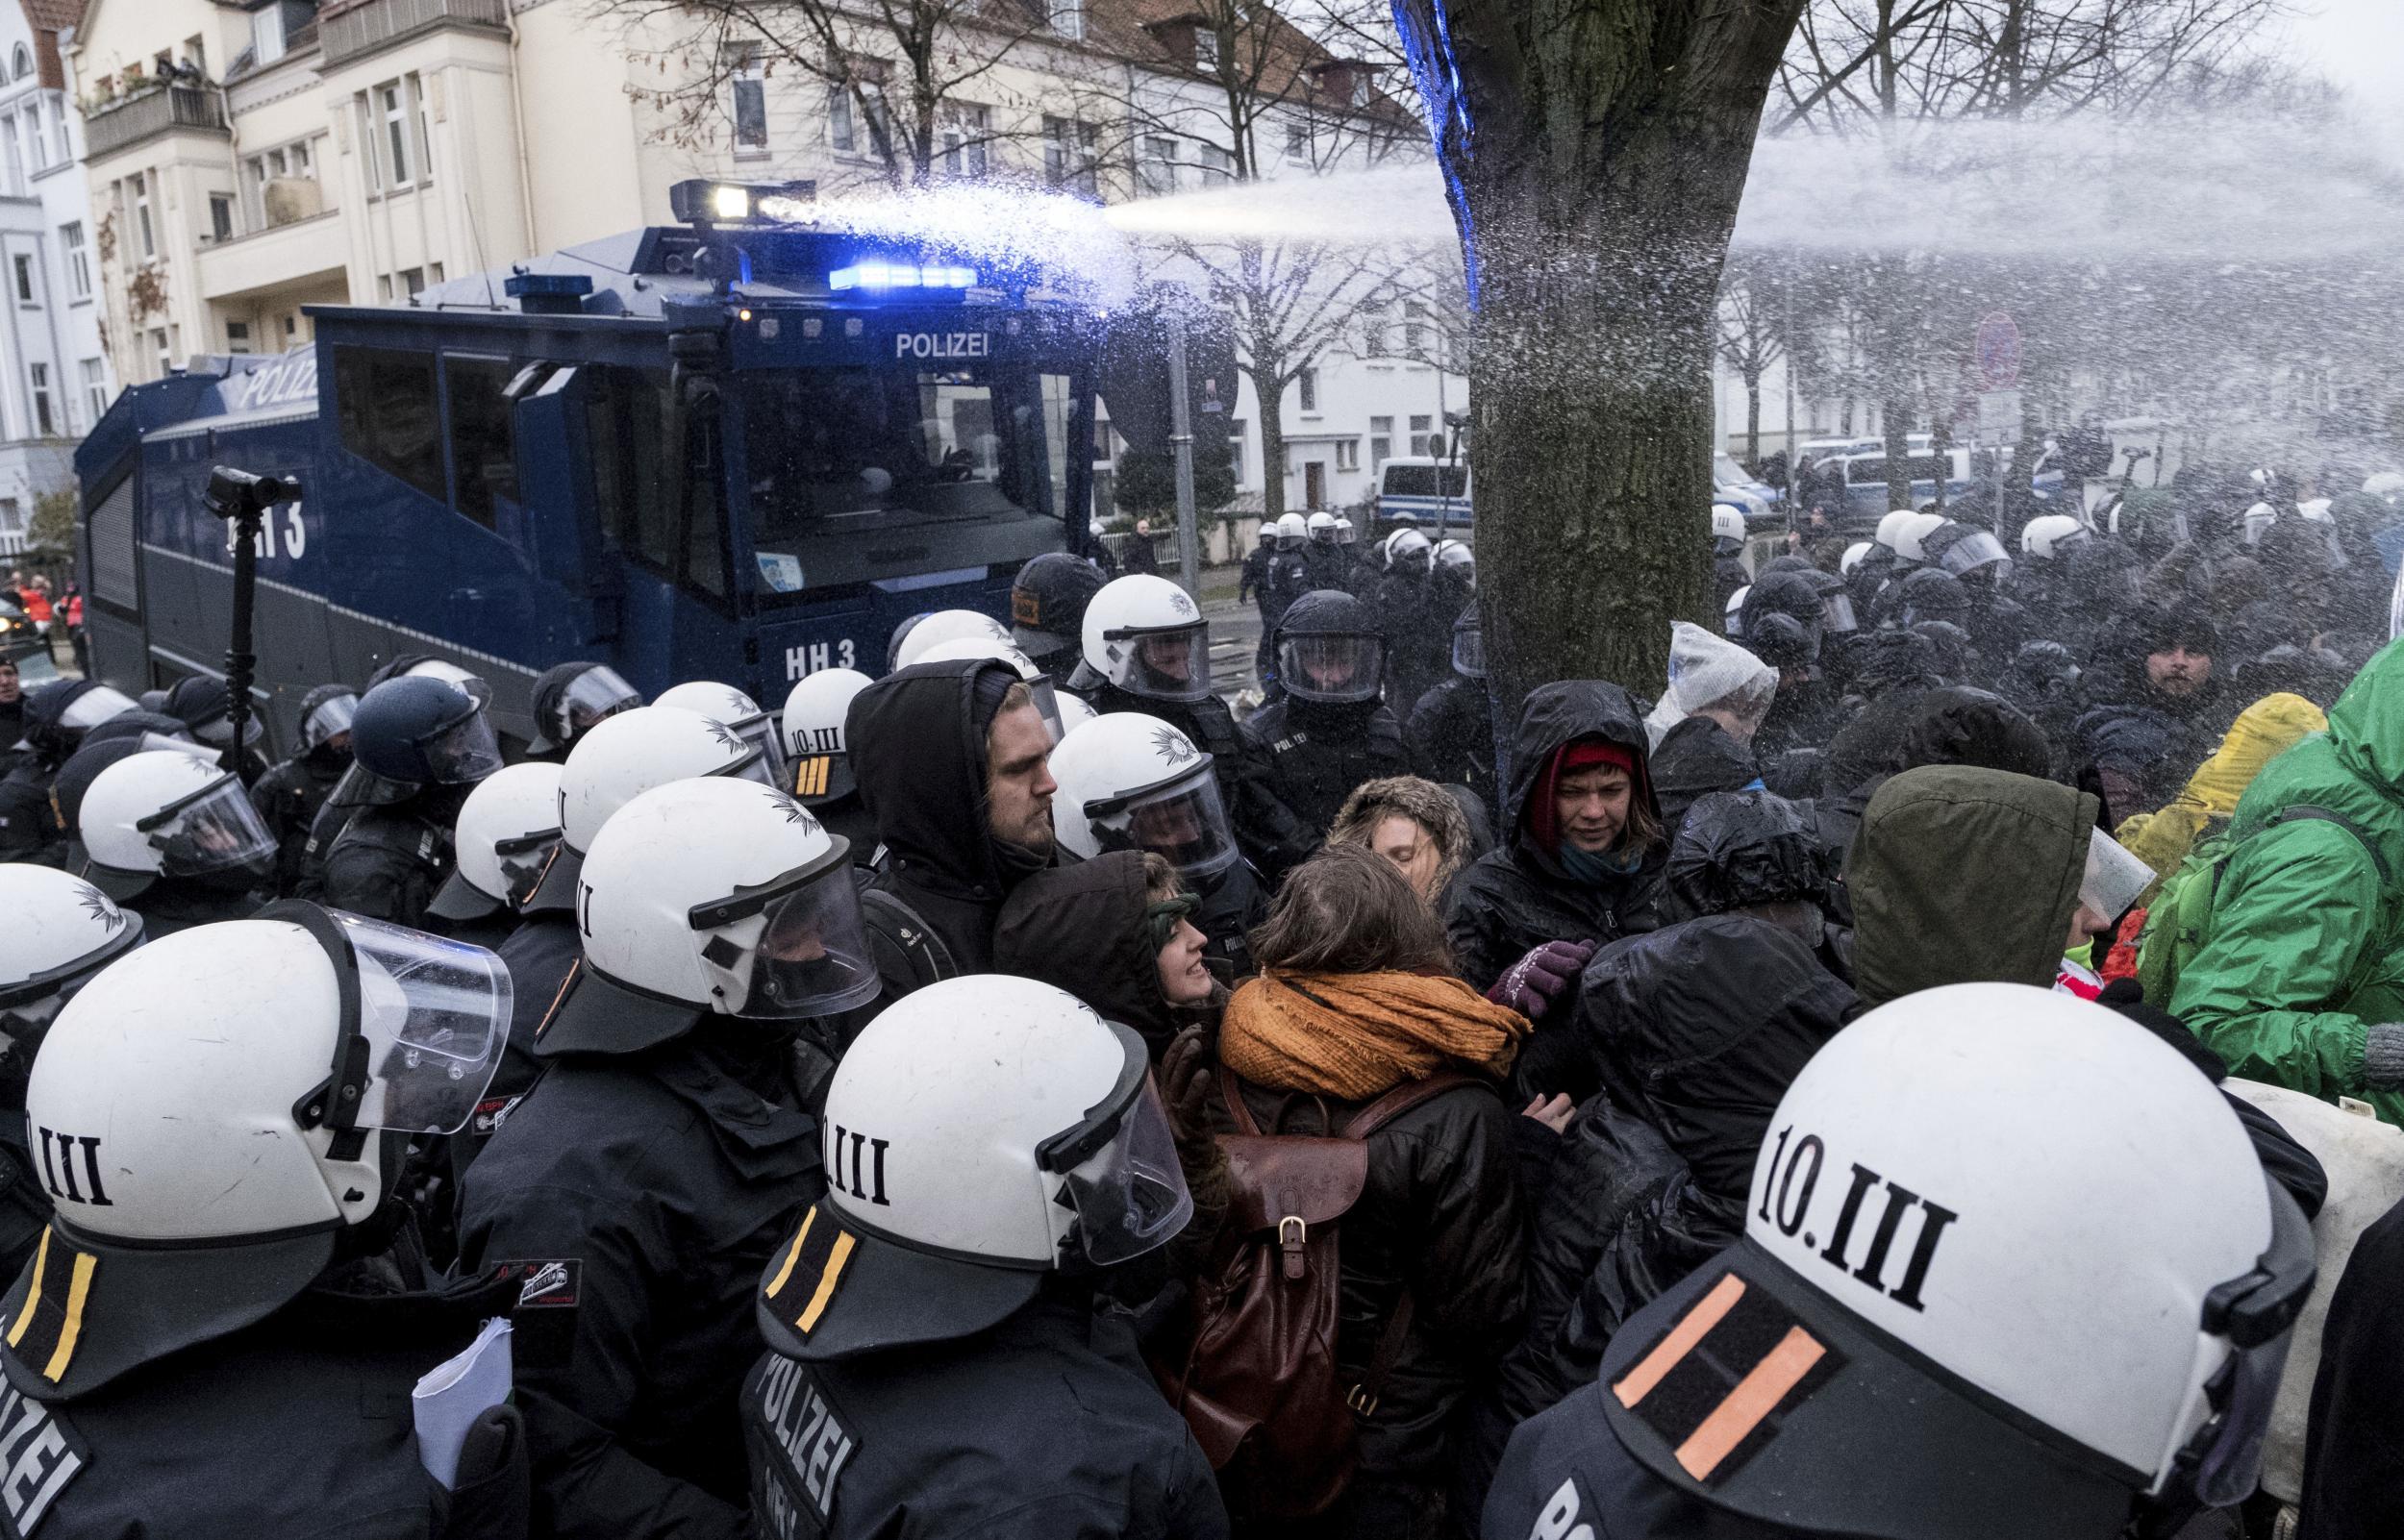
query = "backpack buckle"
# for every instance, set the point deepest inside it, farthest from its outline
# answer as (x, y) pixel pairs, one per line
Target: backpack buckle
(1291, 1232)
(1362, 1403)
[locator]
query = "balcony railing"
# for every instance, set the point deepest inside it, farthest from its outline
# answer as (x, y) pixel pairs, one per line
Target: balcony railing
(369, 25)
(129, 120)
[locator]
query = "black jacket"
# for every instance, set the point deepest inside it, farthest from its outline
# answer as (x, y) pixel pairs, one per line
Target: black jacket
(1082, 928)
(1694, 759)
(539, 955)
(1451, 732)
(1567, 1473)
(658, 1183)
(173, 903)
(29, 829)
(1315, 755)
(295, 1428)
(2354, 1455)
(288, 798)
(919, 755)
(389, 861)
(1441, 1216)
(1046, 1428)
(1518, 897)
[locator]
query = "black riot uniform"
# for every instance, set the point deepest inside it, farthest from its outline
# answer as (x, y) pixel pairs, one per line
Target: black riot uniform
(388, 862)
(298, 1425)
(638, 1192)
(1566, 1470)
(1045, 1427)
(1320, 738)
(539, 955)
(293, 791)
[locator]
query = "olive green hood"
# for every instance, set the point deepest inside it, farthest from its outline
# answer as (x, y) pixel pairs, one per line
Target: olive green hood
(1964, 876)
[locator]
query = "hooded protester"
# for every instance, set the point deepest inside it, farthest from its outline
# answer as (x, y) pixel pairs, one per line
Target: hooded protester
(1582, 853)
(950, 761)
(1413, 823)
(1117, 932)
(1355, 999)
(293, 791)
(2161, 661)
(1702, 730)
(2133, 758)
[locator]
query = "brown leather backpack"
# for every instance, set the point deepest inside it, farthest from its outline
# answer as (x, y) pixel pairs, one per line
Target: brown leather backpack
(1258, 1382)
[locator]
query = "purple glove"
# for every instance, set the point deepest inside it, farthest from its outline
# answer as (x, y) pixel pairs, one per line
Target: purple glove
(1531, 984)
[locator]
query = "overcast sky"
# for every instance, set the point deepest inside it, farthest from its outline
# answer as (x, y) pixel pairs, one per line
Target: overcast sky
(2360, 43)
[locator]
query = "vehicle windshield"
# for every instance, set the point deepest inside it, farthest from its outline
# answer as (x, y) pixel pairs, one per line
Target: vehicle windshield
(1427, 481)
(861, 472)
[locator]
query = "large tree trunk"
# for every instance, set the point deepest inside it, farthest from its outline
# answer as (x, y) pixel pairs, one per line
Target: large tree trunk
(1752, 420)
(1271, 391)
(1595, 151)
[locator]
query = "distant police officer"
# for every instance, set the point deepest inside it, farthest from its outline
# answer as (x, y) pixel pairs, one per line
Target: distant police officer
(640, 1187)
(814, 745)
(1415, 611)
(1287, 578)
(1728, 573)
(205, 709)
(1966, 1304)
(174, 836)
(1047, 603)
(219, 1330)
(56, 717)
(1451, 731)
(1328, 732)
(1133, 781)
(424, 742)
(1329, 567)
(362, 788)
(937, 1367)
(569, 698)
(293, 791)
(61, 931)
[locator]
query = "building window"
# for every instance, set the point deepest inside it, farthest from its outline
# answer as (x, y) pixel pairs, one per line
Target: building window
(1298, 143)
(966, 128)
(237, 336)
(37, 152)
(45, 419)
(1069, 17)
(1422, 427)
(750, 107)
(58, 115)
(20, 63)
(147, 238)
(1348, 454)
(1381, 440)
(1235, 449)
(1072, 150)
(839, 133)
(266, 33)
(11, 154)
(95, 386)
(1307, 387)
(159, 347)
(1217, 165)
(1156, 166)
(1206, 48)
(394, 105)
(1413, 328)
(78, 260)
(411, 281)
(221, 216)
(21, 270)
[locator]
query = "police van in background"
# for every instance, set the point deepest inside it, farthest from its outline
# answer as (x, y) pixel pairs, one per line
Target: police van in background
(741, 447)
(1422, 491)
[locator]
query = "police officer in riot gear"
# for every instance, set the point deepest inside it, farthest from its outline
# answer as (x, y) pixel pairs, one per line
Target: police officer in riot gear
(293, 791)
(1133, 781)
(1047, 604)
(61, 931)
(1329, 732)
(569, 698)
(219, 1330)
(1287, 578)
(173, 835)
(423, 743)
(56, 717)
(817, 746)
(1451, 731)
(936, 1364)
(359, 787)
(205, 709)
(667, 1150)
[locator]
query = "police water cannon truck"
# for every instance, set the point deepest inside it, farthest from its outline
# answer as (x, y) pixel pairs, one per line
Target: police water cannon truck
(741, 447)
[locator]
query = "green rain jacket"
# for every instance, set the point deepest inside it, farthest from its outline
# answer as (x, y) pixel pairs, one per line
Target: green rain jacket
(2301, 953)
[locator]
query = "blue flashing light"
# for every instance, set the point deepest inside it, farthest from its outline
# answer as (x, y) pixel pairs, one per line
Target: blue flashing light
(880, 275)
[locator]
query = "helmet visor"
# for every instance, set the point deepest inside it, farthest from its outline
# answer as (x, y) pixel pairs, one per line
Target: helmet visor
(599, 691)
(218, 731)
(760, 731)
(1468, 651)
(1836, 614)
(1332, 670)
(811, 958)
(464, 752)
(1974, 551)
(522, 861)
(213, 830)
(753, 767)
(434, 1014)
(1167, 665)
(92, 708)
(2257, 1314)
(329, 718)
(1187, 824)
(1119, 1169)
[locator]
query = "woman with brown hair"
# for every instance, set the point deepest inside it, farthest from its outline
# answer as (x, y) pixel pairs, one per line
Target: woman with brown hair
(1413, 824)
(1356, 997)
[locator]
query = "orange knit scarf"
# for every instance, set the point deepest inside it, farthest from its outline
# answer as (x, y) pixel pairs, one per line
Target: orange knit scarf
(1359, 1036)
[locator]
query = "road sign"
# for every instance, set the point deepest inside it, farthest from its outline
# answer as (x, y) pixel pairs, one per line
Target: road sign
(1998, 352)
(1998, 416)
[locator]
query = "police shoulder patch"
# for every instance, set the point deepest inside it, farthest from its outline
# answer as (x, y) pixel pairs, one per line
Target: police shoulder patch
(807, 1442)
(550, 1284)
(41, 1455)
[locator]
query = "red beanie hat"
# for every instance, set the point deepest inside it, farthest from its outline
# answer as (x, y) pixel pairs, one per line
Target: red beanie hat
(1578, 753)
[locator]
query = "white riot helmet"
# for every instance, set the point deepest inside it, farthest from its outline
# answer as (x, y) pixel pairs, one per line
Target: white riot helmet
(1455, 555)
(1074, 713)
(1144, 635)
(1890, 527)
(2259, 517)
(1132, 782)
(1727, 528)
(1732, 623)
(2385, 484)
(2052, 536)
(710, 897)
(1408, 551)
(1908, 540)
(165, 814)
(451, 673)
(2316, 510)
(1293, 531)
(814, 715)
(1039, 684)
(730, 707)
(624, 757)
(505, 833)
(1321, 528)
(2004, 1247)
(946, 626)
(1345, 535)
(61, 931)
(207, 1112)
(980, 1132)
(1852, 557)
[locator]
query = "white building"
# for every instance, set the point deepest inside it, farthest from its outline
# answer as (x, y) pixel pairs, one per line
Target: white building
(55, 379)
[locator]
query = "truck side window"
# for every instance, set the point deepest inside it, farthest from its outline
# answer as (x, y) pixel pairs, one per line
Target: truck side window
(659, 500)
(387, 412)
(484, 447)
